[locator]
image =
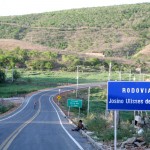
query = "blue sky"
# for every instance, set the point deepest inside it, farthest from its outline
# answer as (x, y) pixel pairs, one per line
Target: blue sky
(21, 7)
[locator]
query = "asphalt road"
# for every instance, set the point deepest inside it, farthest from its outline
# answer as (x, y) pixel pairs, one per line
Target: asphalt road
(42, 128)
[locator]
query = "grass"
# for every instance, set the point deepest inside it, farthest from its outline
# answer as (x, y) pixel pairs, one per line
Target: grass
(96, 120)
(14, 89)
(34, 80)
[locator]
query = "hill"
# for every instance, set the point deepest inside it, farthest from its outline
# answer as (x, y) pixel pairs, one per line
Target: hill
(144, 53)
(10, 44)
(114, 31)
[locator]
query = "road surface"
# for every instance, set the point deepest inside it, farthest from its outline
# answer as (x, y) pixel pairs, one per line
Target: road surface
(42, 128)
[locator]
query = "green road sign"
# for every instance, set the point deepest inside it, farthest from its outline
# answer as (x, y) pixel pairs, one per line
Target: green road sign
(74, 103)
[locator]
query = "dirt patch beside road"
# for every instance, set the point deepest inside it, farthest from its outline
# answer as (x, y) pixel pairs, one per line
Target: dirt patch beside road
(8, 105)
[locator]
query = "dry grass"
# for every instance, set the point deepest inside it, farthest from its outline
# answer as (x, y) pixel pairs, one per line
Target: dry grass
(10, 44)
(144, 54)
(145, 50)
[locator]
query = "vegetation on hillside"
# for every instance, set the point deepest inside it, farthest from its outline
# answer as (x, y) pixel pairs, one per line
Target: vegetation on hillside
(115, 31)
(35, 60)
(103, 17)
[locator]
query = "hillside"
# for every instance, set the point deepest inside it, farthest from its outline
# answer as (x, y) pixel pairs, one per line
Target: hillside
(144, 53)
(116, 31)
(10, 44)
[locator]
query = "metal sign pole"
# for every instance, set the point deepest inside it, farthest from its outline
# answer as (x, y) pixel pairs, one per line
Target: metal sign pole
(115, 130)
(68, 111)
(79, 113)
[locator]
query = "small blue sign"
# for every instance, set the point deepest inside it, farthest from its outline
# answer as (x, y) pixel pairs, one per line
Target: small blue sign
(128, 95)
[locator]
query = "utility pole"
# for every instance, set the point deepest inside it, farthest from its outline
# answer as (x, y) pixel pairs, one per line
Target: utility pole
(12, 74)
(109, 73)
(88, 108)
(77, 81)
(130, 76)
(140, 78)
(119, 75)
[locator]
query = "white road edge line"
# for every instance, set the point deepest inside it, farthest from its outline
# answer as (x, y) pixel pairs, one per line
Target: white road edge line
(18, 111)
(5, 145)
(79, 146)
(60, 110)
(59, 107)
(24, 106)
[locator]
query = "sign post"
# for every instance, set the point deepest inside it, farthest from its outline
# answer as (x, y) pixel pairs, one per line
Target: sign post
(115, 130)
(58, 98)
(129, 96)
(68, 111)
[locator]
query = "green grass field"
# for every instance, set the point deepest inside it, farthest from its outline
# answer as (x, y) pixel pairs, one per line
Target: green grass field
(35, 80)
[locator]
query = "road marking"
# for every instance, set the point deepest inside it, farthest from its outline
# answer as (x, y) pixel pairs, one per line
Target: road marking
(18, 111)
(79, 146)
(24, 106)
(60, 110)
(5, 145)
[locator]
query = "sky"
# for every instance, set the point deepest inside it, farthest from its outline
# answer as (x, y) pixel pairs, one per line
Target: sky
(22, 7)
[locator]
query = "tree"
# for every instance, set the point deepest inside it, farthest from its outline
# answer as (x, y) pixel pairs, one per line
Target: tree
(2, 76)
(16, 75)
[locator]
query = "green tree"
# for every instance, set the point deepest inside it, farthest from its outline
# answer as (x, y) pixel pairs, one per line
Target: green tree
(2, 76)
(16, 75)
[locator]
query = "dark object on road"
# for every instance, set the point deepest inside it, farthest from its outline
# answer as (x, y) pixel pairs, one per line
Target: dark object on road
(34, 105)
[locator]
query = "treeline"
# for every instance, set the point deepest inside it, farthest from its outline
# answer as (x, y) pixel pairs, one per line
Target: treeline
(36, 60)
(103, 17)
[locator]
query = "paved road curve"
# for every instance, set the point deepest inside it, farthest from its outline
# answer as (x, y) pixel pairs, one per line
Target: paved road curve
(42, 128)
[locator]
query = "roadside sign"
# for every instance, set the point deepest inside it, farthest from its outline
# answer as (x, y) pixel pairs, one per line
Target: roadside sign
(74, 103)
(58, 97)
(124, 95)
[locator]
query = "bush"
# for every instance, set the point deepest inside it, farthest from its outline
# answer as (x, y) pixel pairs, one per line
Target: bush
(96, 124)
(16, 74)
(6, 107)
(3, 109)
(147, 136)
